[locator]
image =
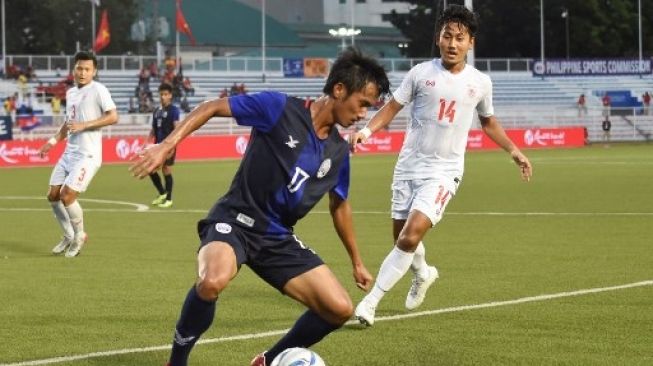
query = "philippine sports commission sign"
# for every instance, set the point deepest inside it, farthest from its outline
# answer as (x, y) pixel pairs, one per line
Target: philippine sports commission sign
(591, 67)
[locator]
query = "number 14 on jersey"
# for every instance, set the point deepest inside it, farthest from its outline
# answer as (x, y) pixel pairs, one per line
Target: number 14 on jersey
(447, 110)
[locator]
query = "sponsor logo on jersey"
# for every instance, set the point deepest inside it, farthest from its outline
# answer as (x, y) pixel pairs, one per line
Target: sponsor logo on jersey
(292, 143)
(324, 168)
(242, 218)
(223, 228)
(430, 83)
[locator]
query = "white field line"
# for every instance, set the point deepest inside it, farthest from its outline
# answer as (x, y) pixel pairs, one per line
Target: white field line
(249, 336)
(140, 208)
(204, 211)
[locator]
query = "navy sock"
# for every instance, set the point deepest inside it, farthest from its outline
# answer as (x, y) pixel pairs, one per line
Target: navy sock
(196, 317)
(309, 329)
(168, 179)
(157, 183)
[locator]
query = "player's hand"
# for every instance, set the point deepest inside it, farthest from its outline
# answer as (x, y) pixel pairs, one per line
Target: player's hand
(43, 150)
(524, 164)
(355, 139)
(362, 277)
(75, 127)
(148, 160)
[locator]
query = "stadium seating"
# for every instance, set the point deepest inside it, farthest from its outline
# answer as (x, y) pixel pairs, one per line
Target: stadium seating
(520, 99)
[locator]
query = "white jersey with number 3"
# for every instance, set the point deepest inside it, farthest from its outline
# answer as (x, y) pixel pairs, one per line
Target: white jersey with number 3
(440, 118)
(82, 105)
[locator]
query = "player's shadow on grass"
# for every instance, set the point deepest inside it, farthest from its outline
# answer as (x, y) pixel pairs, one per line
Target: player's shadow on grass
(13, 249)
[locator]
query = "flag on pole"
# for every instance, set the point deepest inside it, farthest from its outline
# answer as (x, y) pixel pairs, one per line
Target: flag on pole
(103, 36)
(182, 24)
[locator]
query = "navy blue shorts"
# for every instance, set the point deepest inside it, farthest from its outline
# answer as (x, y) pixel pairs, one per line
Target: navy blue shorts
(276, 259)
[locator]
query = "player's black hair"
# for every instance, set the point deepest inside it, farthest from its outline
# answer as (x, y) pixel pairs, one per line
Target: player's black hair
(355, 70)
(460, 15)
(165, 86)
(85, 56)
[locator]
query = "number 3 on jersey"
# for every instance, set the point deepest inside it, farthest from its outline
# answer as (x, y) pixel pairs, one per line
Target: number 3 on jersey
(447, 111)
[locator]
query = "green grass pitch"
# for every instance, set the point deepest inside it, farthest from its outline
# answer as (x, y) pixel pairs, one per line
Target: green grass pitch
(585, 221)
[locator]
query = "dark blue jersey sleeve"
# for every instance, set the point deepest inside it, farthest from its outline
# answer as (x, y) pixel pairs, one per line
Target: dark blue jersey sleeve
(174, 114)
(342, 187)
(260, 110)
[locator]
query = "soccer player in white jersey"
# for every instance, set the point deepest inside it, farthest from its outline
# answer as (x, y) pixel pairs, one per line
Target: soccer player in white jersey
(89, 107)
(444, 92)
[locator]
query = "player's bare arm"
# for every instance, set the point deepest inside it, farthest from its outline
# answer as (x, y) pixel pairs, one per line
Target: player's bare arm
(153, 157)
(58, 136)
(108, 118)
(379, 121)
(493, 129)
(344, 224)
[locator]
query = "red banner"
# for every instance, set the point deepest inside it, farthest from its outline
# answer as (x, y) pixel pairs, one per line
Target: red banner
(120, 150)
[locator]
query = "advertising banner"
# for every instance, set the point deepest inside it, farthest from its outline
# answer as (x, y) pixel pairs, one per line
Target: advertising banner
(5, 128)
(120, 150)
(591, 67)
(316, 67)
(293, 67)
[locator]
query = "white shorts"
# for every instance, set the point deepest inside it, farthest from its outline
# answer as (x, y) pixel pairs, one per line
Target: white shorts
(428, 196)
(75, 172)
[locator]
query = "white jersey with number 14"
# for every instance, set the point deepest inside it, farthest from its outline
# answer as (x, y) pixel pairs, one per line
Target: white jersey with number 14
(440, 118)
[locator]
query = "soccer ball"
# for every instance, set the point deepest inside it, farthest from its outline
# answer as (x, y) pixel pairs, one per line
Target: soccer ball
(298, 357)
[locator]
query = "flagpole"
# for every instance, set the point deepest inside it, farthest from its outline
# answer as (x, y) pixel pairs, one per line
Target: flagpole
(4, 41)
(263, 38)
(93, 25)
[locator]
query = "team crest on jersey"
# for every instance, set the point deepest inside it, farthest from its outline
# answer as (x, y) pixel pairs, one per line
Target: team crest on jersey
(324, 168)
(471, 92)
(165, 114)
(223, 228)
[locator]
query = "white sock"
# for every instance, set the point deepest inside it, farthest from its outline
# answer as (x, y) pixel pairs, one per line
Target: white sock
(63, 219)
(76, 217)
(419, 265)
(394, 267)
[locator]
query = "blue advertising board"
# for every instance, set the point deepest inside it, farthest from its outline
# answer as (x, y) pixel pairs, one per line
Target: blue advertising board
(293, 67)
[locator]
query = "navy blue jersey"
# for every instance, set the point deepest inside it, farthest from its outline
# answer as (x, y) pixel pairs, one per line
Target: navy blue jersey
(163, 121)
(286, 168)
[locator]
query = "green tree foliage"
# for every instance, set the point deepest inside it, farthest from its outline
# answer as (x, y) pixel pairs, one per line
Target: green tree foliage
(508, 28)
(54, 26)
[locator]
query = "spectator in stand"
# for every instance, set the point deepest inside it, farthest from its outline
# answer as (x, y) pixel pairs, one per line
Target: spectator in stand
(234, 90)
(606, 125)
(22, 84)
(646, 101)
(170, 63)
(224, 93)
(144, 76)
(242, 89)
(606, 105)
(154, 70)
(188, 87)
(29, 72)
(582, 105)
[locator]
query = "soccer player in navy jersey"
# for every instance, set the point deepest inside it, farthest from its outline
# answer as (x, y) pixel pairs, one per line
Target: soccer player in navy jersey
(294, 157)
(164, 120)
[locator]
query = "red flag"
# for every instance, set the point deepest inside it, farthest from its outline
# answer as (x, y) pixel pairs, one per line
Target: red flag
(182, 24)
(103, 35)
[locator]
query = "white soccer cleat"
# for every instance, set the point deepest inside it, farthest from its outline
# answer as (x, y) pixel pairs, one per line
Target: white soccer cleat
(365, 313)
(76, 245)
(419, 287)
(62, 246)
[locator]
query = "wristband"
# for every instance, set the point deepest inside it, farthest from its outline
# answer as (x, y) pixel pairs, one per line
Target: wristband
(366, 132)
(52, 141)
